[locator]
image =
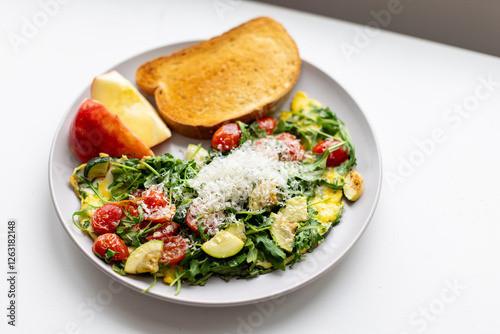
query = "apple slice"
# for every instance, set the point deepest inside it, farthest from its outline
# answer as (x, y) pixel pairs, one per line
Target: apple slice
(123, 99)
(96, 130)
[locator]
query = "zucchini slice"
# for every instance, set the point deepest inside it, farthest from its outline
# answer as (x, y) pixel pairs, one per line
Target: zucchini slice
(283, 231)
(222, 245)
(145, 258)
(238, 229)
(97, 167)
(196, 153)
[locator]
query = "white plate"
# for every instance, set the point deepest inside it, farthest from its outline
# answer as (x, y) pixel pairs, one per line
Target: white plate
(217, 292)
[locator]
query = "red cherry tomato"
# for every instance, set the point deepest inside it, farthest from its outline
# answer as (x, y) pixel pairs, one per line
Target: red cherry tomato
(156, 206)
(131, 209)
(267, 123)
(137, 193)
(266, 147)
(209, 220)
(261, 141)
(129, 206)
(226, 137)
(154, 198)
(168, 229)
(192, 222)
(336, 157)
(174, 249)
(292, 148)
(107, 218)
(113, 242)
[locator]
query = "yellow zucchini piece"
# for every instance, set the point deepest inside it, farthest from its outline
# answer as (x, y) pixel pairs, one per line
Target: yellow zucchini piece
(283, 231)
(223, 245)
(237, 229)
(145, 258)
(353, 186)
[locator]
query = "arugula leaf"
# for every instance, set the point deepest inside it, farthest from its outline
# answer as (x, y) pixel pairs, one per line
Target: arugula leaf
(307, 238)
(201, 229)
(333, 126)
(119, 268)
(271, 251)
(245, 134)
(131, 238)
(285, 126)
(256, 132)
(252, 252)
(337, 183)
(108, 257)
(84, 223)
(181, 212)
(314, 171)
(91, 186)
(193, 270)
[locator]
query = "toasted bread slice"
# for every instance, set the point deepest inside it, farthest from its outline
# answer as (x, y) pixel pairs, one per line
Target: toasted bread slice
(240, 75)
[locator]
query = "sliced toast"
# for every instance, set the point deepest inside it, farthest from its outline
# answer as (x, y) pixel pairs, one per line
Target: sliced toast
(240, 75)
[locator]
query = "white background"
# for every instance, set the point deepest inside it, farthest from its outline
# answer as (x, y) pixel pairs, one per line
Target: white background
(428, 262)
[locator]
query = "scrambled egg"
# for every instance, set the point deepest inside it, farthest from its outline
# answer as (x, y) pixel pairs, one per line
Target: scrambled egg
(90, 201)
(328, 200)
(301, 103)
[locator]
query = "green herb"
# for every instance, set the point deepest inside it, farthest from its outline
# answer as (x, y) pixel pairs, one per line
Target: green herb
(119, 268)
(181, 212)
(314, 171)
(108, 256)
(149, 288)
(245, 134)
(79, 214)
(91, 186)
(271, 251)
(256, 132)
(177, 280)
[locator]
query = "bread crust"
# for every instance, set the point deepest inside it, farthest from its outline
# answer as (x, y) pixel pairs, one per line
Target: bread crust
(242, 74)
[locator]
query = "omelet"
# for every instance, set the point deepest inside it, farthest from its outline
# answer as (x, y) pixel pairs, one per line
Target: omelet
(93, 194)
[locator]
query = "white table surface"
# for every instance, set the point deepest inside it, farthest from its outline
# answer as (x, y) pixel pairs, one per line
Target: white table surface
(429, 260)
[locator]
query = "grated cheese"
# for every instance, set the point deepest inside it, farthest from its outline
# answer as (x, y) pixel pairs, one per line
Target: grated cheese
(228, 181)
(165, 212)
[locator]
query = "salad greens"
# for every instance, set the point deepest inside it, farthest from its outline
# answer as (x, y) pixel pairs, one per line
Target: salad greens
(283, 212)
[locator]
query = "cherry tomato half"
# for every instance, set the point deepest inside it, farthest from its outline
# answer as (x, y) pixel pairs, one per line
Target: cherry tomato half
(137, 193)
(267, 123)
(192, 222)
(266, 147)
(112, 242)
(168, 229)
(336, 157)
(129, 206)
(156, 206)
(226, 137)
(292, 148)
(107, 218)
(131, 210)
(208, 220)
(154, 198)
(174, 249)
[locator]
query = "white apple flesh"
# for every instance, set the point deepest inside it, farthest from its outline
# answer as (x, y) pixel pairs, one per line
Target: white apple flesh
(122, 98)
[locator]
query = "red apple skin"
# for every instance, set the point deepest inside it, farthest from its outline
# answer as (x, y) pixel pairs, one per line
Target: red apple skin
(96, 130)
